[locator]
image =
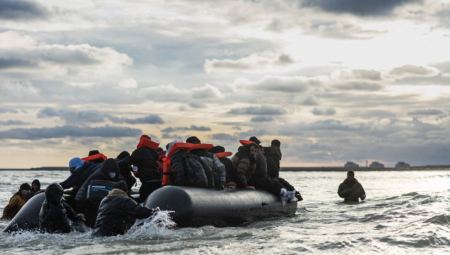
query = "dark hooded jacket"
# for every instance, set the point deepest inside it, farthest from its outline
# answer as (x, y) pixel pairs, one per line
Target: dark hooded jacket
(261, 167)
(210, 161)
(226, 162)
(33, 192)
(114, 214)
(146, 159)
(109, 166)
(81, 175)
(351, 191)
(187, 170)
(55, 213)
(276, 156)
(272, 170)
(125, 171)
(244, 165)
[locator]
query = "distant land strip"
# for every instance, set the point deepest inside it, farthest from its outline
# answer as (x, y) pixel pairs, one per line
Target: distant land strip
(285, 169)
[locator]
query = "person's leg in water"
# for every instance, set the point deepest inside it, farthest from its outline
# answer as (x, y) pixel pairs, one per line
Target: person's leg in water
(147, 188)
(289, 187)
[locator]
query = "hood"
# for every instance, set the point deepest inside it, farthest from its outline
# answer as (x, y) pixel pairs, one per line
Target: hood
(244, 152)
(36, 183)
(255, 140)
(76, 162)
(193, 139)
(110, 165)
(276, 152)
(54, 193)
(217, 149)
(117, 192)
(123, 155)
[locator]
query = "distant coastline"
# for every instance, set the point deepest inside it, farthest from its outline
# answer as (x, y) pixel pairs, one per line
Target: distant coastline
(284, 169)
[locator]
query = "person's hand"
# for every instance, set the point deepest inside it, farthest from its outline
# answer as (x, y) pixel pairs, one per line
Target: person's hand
(250, 187)
(82, 217)
(230, 186)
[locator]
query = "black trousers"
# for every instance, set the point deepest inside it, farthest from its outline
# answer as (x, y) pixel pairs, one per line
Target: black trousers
(286, 184)
(271, 185)
(147, 188)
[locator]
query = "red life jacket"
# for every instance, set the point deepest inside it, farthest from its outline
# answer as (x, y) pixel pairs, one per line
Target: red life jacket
(245, 142)
(223, 154)
(94, 157)
(144, 142)
(167, 169)
(201, 146)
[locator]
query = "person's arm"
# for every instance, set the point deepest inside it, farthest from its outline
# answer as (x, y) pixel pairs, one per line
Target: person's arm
(363, 195)
(134, 159)
(70, 212)
(343, 190)
(137, 211)
(220, 168)
(241, 171)
(70, 182)
(176, 162)
(13, 203)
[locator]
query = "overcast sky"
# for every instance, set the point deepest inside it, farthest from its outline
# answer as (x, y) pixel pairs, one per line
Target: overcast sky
(333, 80)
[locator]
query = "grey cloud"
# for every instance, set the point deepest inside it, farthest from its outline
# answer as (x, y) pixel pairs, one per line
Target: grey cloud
(285, 84)
(223, 137)
(329, 111)
(8, 110)
(444, 67)
(310, 100)
(13, 122)
(258, 110)
(69, 131)
(72, 117)
(191, 128)
(197, 105)
(411, 69)
(21, 10)
(150, 119)
(358, 7)
(367, 74)
(426, 112)
(252, 132)
(340, 30)
(360, 86)
(262, 119)
(285, 59)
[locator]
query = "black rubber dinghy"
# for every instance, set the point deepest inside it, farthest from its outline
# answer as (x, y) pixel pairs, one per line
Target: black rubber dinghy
(196, 207)
(28, 216)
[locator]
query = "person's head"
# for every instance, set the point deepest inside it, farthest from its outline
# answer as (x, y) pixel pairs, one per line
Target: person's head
(253, 148)
(146, 137)
(24, 189)
(350, 175)
(93, 152)
(74, 164)
(255, 140)
(54, 193)
(276, 143)
(167, 146)
(159, 149)
(123, 155)
(121, 185)
(36, 185)
(111, 168)
(261, 149)
(217, 149)
(193, 140)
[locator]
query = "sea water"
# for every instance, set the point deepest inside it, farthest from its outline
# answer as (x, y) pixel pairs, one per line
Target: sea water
(405, 212)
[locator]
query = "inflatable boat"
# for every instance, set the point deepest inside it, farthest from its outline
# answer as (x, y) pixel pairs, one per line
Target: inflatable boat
(190, 206)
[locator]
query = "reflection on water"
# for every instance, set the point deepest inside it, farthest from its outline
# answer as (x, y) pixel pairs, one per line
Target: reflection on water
(405, 212)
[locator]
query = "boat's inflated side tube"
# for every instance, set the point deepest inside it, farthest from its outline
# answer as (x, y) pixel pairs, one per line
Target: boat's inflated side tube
(355, 194)
(196, 207)
(27, 219)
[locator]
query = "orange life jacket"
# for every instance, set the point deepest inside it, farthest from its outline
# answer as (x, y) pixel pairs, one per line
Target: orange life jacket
(144, 142)
(245, 142)
(167, 169)
(94, 157)
(204, 146)
(223, 154)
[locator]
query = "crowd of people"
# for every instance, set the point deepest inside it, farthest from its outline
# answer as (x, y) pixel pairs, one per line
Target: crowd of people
(189, 163)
